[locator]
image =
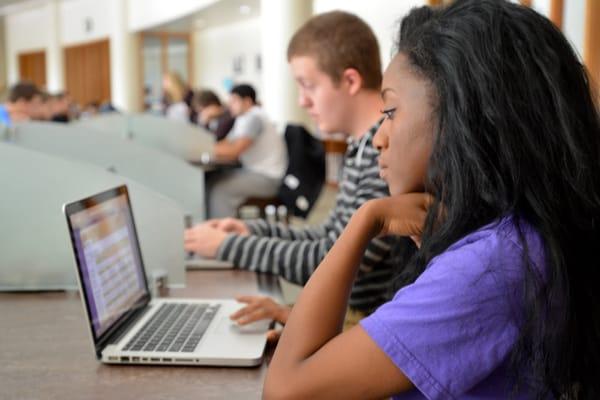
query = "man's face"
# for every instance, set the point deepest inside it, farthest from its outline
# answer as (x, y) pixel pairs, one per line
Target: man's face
(237, 105)
(36, 108)
(325, 102)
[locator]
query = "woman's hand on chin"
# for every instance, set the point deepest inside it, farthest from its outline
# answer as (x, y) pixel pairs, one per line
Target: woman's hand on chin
(400, 215)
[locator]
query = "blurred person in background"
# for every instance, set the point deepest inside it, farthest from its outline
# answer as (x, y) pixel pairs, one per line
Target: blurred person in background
(174, 91)
(60, 107)
(255, 143)
(212, 115)
(24, 103)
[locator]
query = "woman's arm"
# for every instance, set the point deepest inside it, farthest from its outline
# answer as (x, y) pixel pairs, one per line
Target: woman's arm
(313, 360)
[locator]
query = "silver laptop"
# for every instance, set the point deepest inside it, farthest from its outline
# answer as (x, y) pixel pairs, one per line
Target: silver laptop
(126, 324)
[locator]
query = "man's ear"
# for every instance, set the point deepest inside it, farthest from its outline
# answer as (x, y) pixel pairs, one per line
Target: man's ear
(352, 79)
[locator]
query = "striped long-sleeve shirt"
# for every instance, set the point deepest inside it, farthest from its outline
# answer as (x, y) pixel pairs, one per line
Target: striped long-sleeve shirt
(295, 253)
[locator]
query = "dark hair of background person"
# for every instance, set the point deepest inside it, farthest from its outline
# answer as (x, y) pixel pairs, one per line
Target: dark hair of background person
(204, 98)
(339, 40)
(517, 132)
(23, 90)
(244, 91)
(189, 101)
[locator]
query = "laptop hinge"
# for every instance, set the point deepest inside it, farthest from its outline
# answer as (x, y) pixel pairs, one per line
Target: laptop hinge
(123, 328)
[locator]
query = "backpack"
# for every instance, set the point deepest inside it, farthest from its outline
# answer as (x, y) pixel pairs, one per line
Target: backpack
(305, 174)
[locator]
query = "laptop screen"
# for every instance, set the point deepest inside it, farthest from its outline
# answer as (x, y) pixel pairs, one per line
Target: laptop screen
(109, 261)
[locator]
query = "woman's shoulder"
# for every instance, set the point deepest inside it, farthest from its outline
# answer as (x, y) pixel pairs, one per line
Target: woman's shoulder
(502, 245)
(506, 231)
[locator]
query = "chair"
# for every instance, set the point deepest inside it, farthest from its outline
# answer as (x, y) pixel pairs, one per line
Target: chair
(304, 177)
(255, 207)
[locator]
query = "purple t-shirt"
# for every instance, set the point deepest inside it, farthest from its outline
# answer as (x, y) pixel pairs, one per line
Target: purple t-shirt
(452, 331)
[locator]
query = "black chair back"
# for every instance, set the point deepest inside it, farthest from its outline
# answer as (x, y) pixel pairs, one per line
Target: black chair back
(305, 174)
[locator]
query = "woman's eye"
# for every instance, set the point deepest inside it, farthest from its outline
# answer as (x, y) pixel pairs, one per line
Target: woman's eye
(389, 112)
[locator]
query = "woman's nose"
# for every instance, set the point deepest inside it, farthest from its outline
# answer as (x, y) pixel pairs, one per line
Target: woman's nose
(380, 138)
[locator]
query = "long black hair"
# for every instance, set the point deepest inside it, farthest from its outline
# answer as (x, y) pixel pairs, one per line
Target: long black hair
(517, 133)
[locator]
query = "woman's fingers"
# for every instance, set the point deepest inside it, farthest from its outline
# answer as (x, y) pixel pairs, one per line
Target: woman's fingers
(254, 316)
(249, 298)
(273, 335)
(257, 308)
(245, 310)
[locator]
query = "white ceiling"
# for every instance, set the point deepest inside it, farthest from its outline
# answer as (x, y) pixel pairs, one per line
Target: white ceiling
(11, 6)
(7, 2)
(220, 13)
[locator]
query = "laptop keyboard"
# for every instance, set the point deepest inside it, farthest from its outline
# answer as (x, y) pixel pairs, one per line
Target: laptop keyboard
(174, 327)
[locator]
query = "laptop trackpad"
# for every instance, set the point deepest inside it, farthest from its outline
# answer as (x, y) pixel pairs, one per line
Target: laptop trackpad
(227, 325)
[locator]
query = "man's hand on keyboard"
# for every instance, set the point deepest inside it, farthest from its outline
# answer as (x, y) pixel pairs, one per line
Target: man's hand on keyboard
(203, 239)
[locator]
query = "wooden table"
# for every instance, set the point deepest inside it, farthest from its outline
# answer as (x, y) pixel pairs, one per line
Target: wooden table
(46, 350)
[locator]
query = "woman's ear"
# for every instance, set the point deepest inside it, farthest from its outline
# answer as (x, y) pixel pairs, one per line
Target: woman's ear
(352, 79)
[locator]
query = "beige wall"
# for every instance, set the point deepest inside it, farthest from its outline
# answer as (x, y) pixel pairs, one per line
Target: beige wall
(145, 14)
(381, 15)
(214, 51)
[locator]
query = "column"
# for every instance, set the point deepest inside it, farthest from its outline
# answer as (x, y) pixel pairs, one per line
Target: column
(124, 52)
(3, 57)
(556, 12)
(279, 20)
(55, 71)
(591, 51)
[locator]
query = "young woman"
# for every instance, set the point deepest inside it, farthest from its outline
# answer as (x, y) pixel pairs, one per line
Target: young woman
(174, 91)
(491, 150)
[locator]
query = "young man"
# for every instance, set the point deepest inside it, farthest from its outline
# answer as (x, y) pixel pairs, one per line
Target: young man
(335, 60)
(253, 141)
(24, 103)
(59, 110)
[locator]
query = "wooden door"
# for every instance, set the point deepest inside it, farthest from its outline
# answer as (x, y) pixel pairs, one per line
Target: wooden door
(87, 70)
(32, 67)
